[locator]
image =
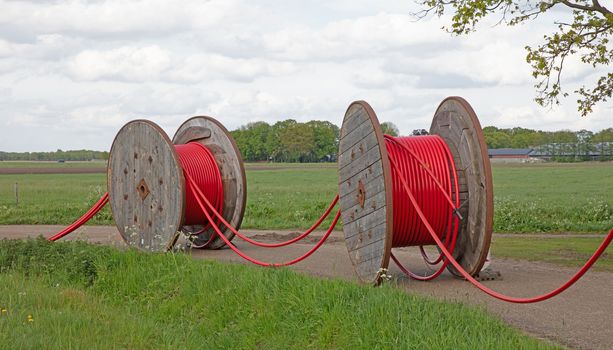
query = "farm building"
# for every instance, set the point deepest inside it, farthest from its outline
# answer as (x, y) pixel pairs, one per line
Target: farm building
(552, 151)
(509, 154)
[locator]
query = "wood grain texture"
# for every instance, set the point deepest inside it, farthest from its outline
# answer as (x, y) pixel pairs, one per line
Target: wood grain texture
(456, 122)
(213, 135)
(363, 163)
(142, 154)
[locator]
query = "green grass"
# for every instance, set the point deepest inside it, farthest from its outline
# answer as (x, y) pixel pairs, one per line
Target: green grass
(84, 296)
(289, 198)
(560, 250)
(528, 198)
(553, 197)
(52, 164)
(265, 165)
(51, 199)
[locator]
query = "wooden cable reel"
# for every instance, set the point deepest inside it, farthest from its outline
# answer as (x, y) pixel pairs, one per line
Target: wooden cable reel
(365, 187)
(147, 187)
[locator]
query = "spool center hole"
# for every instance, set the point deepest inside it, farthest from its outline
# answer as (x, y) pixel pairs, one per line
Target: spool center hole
(142, 189)
(361, 194)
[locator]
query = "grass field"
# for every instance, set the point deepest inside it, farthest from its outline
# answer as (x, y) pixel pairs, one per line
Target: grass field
(74, 295)
(528, 198)
(553, 197)
(52, 164)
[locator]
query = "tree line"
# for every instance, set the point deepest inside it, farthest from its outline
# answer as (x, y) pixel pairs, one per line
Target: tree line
(75, 155)
(316, 141)
(528, 138)
(292, 141)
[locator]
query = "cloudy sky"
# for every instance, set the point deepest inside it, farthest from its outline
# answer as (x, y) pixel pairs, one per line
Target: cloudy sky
(73, 72)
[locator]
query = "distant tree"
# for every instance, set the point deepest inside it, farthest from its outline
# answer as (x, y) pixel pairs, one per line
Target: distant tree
(564, 136)
(605, 135)
(325, 137)
(297, 142)
(274, 145)
(585, 38)
(390, 128)
(251, 139)
(497, 139)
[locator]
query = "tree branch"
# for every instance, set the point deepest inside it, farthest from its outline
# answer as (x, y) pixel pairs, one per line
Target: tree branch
(595, 6)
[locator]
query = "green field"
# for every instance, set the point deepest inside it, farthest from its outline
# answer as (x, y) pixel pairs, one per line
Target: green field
(553, 197)
(528, 198)
(75, 295)
(52, 164)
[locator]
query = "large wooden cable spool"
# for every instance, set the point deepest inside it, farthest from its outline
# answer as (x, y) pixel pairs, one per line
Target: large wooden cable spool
(365, 187)
(147, 185)
(213, 135)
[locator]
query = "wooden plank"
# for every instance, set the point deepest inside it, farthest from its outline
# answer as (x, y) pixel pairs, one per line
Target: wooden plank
(367, 143)
(371, 235)
(357, 116)
(357, 135)
(363, 224)
(367, 159)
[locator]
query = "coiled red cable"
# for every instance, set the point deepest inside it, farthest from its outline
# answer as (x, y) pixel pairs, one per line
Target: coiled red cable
(427, 165)
(406, 186)
(199, 162)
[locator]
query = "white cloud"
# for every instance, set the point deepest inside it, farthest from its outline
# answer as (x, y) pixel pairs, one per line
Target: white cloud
(199, 67)
(71, 72)
(124, 63)
(153, 17)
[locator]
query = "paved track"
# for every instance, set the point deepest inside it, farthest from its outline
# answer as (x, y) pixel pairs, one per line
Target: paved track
(581, 317)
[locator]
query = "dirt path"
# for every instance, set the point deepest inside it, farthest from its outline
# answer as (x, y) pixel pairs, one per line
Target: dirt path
(581, 317)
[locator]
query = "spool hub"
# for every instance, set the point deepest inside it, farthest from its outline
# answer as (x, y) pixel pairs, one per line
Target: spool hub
(365, 186)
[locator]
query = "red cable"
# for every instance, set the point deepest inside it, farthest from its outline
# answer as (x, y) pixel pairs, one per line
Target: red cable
(200, 198)
(83, 219)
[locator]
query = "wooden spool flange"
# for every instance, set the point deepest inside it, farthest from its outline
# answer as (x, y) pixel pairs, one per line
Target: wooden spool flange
(147, 186)
(365, 187)
(456, 122)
